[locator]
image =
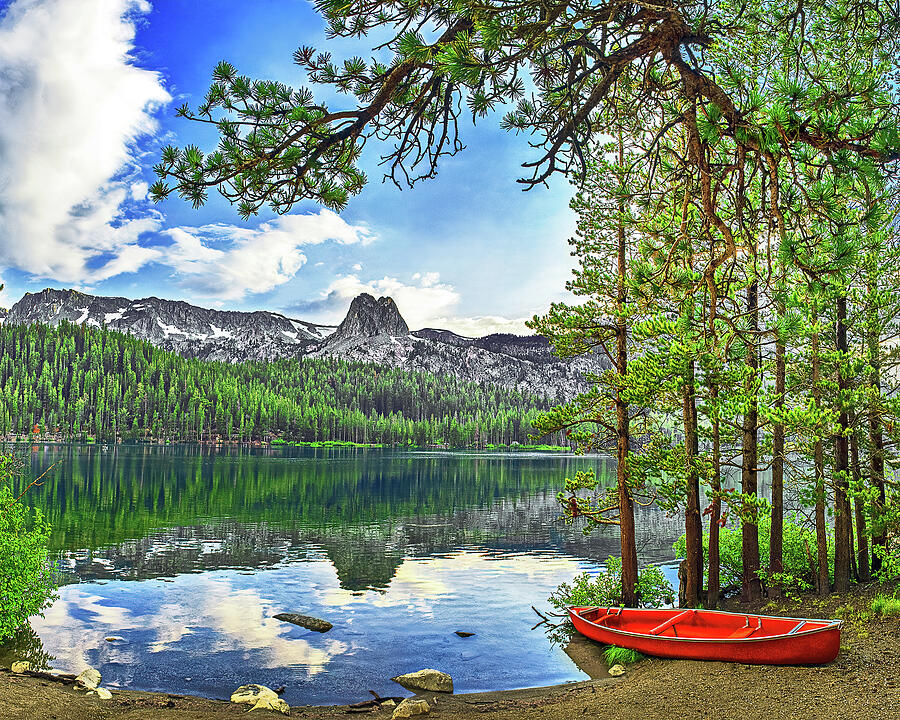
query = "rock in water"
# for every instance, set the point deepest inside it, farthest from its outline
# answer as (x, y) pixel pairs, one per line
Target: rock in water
(252, 694)
(307, 621)
(21, 666)
(89, 678)
(617, 670)
(463, 633)
(410, 707)
(429, 680)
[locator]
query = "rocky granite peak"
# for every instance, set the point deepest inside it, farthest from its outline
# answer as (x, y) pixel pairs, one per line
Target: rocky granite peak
(368, 317)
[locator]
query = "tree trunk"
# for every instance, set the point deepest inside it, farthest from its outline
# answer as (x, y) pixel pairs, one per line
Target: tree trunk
(841, 462)
(862, 541)
(776, 538)
(751, 586)
(693, 588)
(876, 436)
(823, 580)
(712, 590)
(623, 441)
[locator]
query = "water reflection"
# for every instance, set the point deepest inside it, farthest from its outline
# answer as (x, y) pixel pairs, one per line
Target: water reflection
(186, 555)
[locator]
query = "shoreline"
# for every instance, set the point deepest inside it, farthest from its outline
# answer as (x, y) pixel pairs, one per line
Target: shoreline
(863, 682)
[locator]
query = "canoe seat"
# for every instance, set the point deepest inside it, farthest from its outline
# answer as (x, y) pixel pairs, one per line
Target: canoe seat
(670, 622)
(742, 632)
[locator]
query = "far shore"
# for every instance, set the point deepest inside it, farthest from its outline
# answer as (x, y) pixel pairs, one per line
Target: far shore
(864, 682)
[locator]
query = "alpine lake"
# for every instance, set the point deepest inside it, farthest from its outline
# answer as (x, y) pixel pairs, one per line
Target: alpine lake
(175, 559)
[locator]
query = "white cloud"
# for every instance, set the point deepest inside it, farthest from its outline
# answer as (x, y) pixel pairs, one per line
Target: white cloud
(424, 302)
(227, 261)
(73, 106)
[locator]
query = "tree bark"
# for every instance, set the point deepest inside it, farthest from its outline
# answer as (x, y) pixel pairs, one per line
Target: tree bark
(776, 538)
(862, 541)
(712, 589)
(623, 439)
(751, 585)
(876, 436)
(841, 462)
(693, 588)
(823, 580)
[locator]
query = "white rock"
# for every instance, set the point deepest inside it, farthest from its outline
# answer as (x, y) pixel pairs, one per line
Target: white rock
(427, 679)
(388, 703)
(252, 694)
(276, 705)
(101, 693)
(21, 666)
(410, 707)
(89, 678)
(616, 670)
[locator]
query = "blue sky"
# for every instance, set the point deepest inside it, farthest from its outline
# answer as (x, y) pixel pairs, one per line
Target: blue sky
(88, 90)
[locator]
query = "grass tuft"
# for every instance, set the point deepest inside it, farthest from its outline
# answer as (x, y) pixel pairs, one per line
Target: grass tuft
(621, 656)
(886, 606)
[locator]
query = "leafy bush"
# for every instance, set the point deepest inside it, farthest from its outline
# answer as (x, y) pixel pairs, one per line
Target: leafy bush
(27, 581)
(605, 588)
(799, 543)
(614, 655)
(886, 606)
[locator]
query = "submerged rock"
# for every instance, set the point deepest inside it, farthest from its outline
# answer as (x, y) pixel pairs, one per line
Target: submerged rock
(617, 670)
(410, 707)
(427, 679)
(307, 621)
(21, 666)
(252, 694)
(89, 678)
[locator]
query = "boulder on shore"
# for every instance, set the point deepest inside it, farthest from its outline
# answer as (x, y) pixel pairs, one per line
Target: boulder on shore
(88, 679)
(252, 694)
(410, 707)
(21, 666)
(307, 621)
(427, 679)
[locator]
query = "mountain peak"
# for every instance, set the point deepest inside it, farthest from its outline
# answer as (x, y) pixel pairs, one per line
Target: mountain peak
(368, 317)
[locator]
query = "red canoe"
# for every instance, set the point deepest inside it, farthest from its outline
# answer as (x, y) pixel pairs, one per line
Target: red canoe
(712, 635)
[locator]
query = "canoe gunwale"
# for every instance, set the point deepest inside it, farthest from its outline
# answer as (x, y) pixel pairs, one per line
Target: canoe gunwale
(832, 624)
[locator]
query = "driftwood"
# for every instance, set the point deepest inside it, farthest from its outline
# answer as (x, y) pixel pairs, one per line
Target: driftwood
(64, 678)
(373, 704)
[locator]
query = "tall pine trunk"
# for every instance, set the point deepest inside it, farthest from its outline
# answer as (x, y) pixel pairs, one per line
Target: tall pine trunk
(751, 585)
(693, 576)
(876, 436)
(712, 590)
(862, 540)
(842, 528)
(823, 580)
(776, 540)
(623, 431)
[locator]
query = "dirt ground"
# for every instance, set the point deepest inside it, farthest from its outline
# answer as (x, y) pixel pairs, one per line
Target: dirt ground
(863, 683)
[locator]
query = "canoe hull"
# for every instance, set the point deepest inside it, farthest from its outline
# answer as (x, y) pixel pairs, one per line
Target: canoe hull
(816, 646)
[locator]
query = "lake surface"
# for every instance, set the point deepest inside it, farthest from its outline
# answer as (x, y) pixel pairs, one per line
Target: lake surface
(185, 554)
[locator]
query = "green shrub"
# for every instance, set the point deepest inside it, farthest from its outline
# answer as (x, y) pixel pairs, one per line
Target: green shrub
(886, 606)
(605, 588)
(614, 655)
(27, 580)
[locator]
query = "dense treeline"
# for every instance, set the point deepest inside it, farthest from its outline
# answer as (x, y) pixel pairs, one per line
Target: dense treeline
(79, 382)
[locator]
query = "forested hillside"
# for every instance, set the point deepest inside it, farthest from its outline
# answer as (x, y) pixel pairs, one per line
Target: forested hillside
(82, 382)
